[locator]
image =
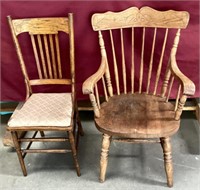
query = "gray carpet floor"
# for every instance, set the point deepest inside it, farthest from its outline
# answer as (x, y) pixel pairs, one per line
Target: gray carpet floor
(131, 166)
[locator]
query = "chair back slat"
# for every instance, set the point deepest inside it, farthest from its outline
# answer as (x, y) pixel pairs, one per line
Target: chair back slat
(123, 61)
(170, 88)
(53, 56)
(107, 71)
(160, 62)
(36, 56)
(104, 89)
(132, 61)
(97, 95)
(151, 61)
(115, 63)
(42, 56)
(177, 97)
(58, 56)
(47, 56)
(142, 62)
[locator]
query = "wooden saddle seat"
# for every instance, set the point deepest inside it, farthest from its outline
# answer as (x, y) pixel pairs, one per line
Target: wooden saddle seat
(137, 116)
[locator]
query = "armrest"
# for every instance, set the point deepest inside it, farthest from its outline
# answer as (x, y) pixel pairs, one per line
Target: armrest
(187, 84)
(89, 83)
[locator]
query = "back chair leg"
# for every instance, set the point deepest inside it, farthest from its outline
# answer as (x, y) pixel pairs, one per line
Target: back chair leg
(71, 140)
(104, 156)
(80, 128)
(42, 133)
(19, 153)
(166, 145)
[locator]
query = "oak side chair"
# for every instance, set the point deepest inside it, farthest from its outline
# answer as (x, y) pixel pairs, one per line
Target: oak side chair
(136, 110)
(44, 111)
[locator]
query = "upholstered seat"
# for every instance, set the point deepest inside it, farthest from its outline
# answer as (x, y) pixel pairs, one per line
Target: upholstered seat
(137, 116)
(47, 70)
(44, 109)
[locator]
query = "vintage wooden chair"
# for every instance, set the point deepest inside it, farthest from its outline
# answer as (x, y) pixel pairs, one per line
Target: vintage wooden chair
(44, 110)
(136, 110)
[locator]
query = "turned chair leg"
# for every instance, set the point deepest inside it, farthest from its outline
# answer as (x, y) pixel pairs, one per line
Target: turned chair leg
(104, 156)
(166, 145)
(19, 153)
(72, 143)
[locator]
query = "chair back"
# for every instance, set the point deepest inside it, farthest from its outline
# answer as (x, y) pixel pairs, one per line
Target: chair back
(135, 44)
(45, 49)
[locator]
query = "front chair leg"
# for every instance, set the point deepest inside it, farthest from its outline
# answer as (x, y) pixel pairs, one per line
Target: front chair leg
(104, 156)
(19, 153)
(166, 145)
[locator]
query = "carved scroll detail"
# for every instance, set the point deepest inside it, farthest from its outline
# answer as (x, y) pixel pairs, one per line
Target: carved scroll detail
(144, 17)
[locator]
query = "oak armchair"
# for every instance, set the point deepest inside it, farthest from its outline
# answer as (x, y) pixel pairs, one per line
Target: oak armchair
(134, 110)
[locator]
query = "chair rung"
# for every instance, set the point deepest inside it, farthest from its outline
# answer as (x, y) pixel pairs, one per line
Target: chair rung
(44, 139)
(46, 151)
(129, 140)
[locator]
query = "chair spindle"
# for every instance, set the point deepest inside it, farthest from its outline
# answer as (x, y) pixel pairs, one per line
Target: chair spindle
(151, 61)
(107, 72)
(97, 95)
(115, 63)
(160, 62)
(104, 88)
(177, 97)
(123, 61)
(170, 88)
(142, 62)
(132, 61)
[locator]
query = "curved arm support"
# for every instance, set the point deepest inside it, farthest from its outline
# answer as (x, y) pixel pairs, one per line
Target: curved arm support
(89, 83)
(187, 85)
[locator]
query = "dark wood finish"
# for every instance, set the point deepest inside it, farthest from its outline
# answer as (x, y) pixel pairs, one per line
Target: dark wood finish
(138, 115)
(44, 36)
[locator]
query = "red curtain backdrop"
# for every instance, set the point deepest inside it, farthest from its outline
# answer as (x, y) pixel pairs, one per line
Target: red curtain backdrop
(86, 40)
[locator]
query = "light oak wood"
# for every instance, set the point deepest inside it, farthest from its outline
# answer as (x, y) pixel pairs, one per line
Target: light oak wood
(53, 56)
(40, 25)
(140, 115)
(160, 62)
(151, 60)
(142, 62)
(123, 61)
(44, 35)
(166, 145)
(132, 61)
(104, 156)
(115, 63)
(144, 17)
(170, 87)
